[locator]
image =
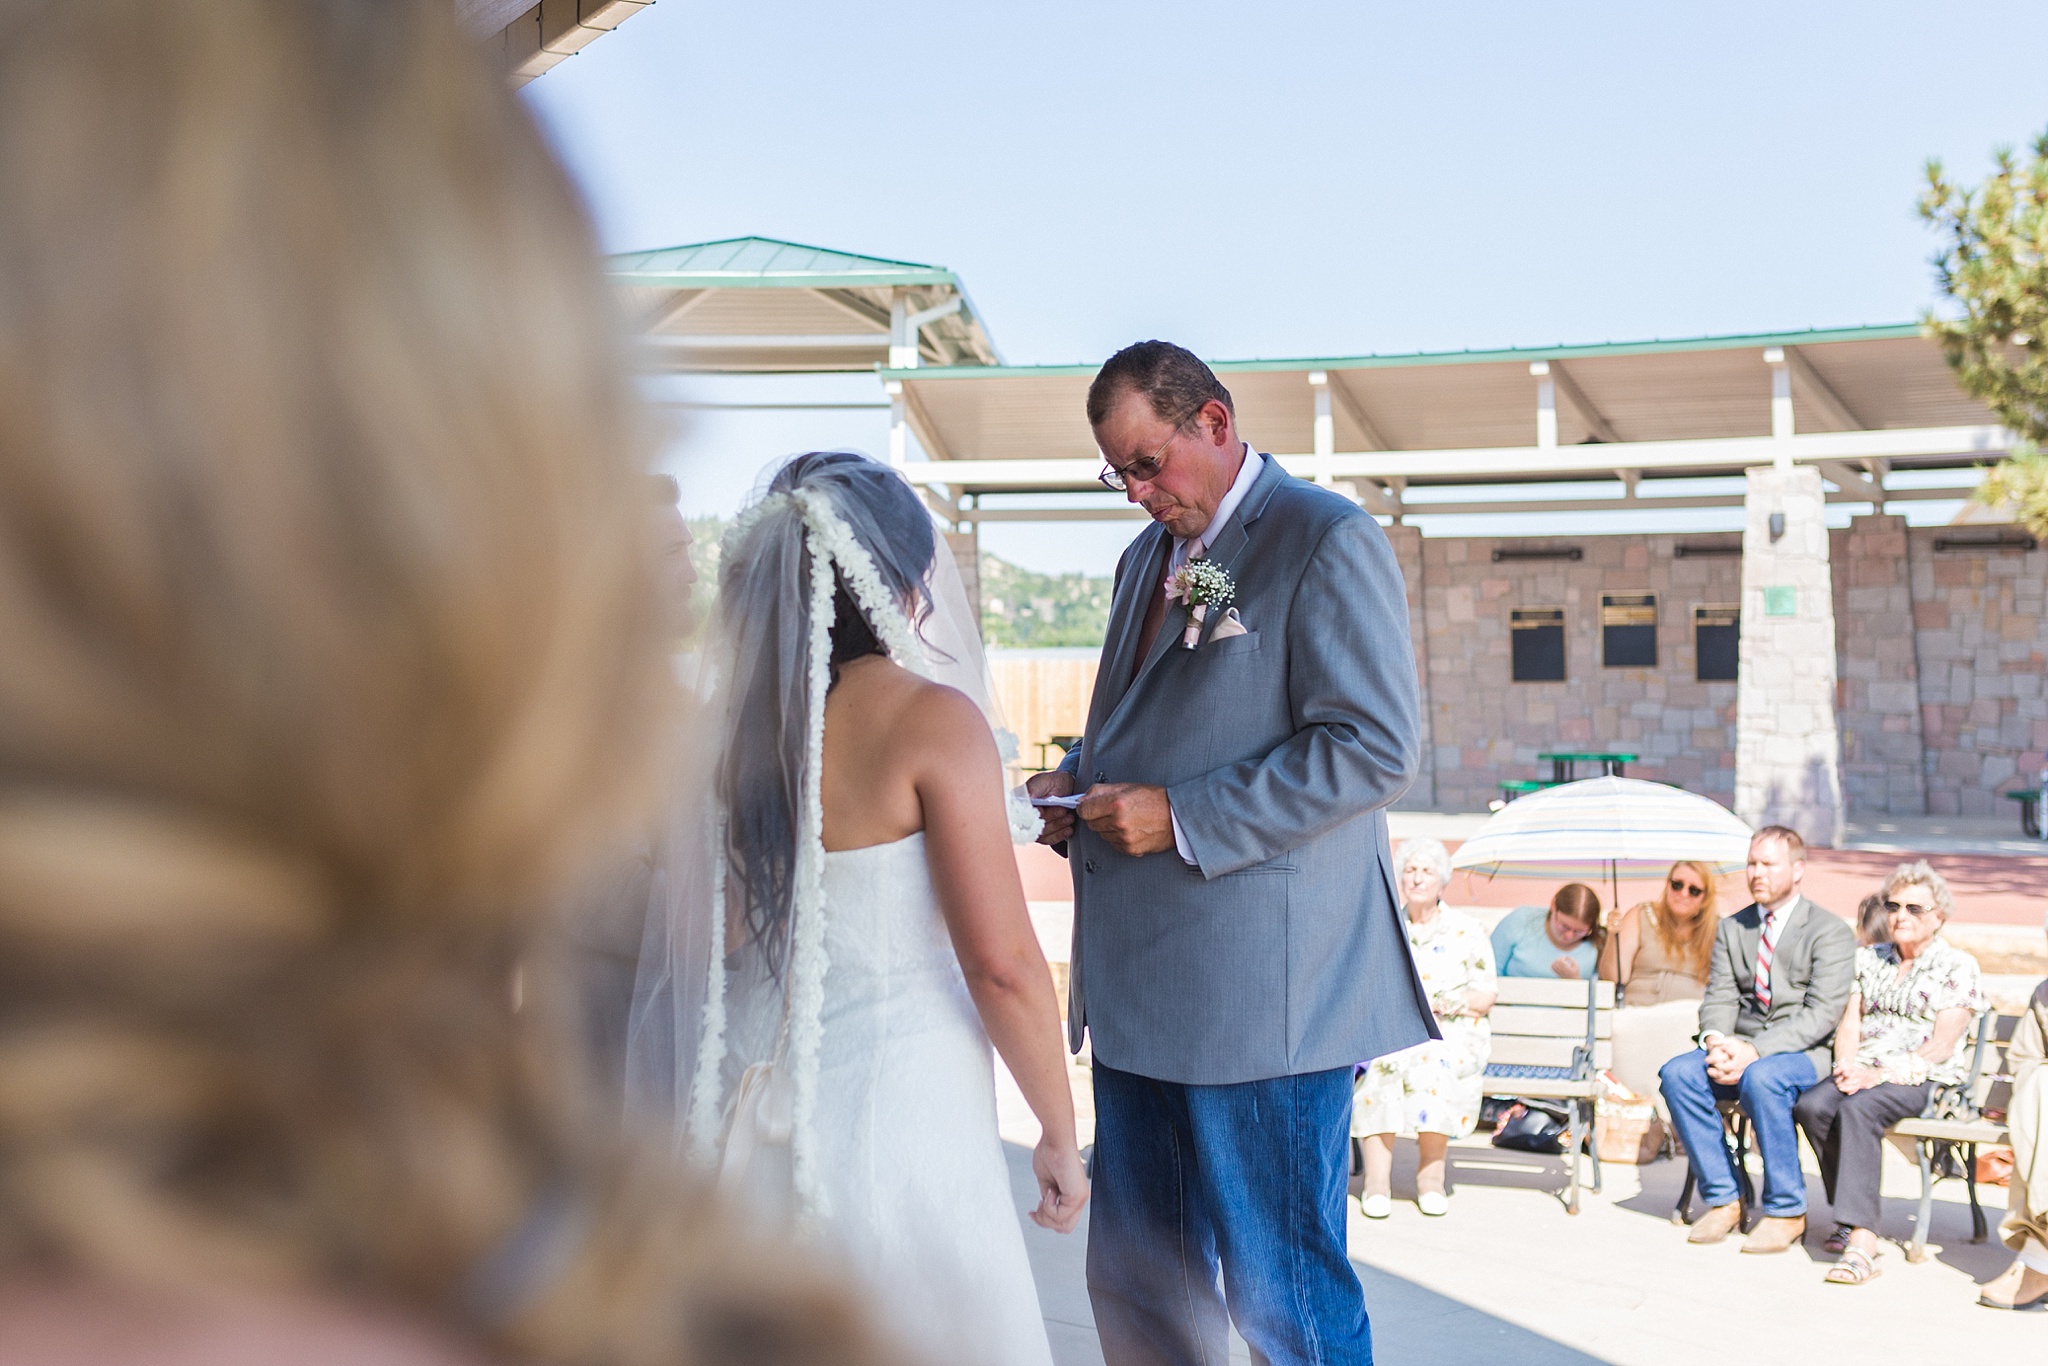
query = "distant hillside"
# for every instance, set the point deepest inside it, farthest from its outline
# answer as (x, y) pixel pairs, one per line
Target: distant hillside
(1023, 610)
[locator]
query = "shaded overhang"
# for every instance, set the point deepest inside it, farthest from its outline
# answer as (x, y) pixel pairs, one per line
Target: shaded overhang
(757, 305)
(1858, 402)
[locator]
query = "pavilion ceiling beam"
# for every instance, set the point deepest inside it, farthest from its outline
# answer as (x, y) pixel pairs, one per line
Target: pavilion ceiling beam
(1850, 480)
(1590, 417)
(927, 431)
(1376, 498)
(1818, 392)
(1348, 404)
(667, 311)
(853, 306)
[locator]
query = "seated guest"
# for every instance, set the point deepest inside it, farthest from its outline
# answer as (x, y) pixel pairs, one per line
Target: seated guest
(2025, 1229)
(1873, 921)
(1432, 1089)
(1562, 941)
(1657, 955)
(1912, 1002)
(1780, 976)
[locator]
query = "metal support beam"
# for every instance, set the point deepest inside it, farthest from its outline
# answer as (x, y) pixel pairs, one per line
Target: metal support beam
(899, 425)
(1594, 421)
(852, 306)
(1629, 479)
(673, 310)
(1781, 404)
(1325, 427)
(1546, 405)
(902, 338)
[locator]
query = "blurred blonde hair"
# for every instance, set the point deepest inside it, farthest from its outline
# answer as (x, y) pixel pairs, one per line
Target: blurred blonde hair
(329, 668)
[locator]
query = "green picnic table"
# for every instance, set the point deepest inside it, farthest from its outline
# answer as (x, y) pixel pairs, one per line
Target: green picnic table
(1563, 763)
(2029, 799)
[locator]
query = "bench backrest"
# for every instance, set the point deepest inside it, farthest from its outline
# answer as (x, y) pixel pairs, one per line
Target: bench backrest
(1550, 1022)
(1990, 1082)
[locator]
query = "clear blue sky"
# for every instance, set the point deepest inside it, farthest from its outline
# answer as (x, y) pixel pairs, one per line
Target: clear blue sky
(1296, 179)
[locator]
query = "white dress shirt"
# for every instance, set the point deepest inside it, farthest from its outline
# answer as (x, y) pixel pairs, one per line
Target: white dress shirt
(1186, 548)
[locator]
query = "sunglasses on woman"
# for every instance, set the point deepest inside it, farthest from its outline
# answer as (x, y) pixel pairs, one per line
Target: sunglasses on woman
(1914, 909)
(1679, 884)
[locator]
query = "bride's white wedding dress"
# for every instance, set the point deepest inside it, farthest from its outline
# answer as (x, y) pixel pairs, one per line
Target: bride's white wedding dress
(917, 1188)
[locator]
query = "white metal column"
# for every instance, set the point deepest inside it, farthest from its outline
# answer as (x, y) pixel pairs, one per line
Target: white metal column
(1326, 429)
(1546, 404)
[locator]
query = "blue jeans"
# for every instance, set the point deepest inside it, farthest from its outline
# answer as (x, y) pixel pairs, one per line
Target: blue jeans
(1248, 1180)
(1767, 1090)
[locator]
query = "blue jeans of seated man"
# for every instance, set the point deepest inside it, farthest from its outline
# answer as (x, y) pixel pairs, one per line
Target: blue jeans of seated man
(1766, 1092)
(1248, 1180)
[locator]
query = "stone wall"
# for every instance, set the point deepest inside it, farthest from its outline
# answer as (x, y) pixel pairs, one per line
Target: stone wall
(1878, 677)
(1981, 644)
(1486, 727)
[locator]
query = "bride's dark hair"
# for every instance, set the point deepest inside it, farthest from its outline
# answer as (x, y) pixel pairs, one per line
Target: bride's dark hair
(764, 612)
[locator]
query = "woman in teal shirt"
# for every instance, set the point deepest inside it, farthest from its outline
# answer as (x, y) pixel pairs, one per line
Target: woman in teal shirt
(1562, 940)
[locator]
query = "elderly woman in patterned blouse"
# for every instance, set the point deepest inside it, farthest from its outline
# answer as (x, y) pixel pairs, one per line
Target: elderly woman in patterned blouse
(1432, 1089)
(1913, 1002)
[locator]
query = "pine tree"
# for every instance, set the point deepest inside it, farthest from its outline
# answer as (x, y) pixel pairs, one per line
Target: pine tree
(1994, 264)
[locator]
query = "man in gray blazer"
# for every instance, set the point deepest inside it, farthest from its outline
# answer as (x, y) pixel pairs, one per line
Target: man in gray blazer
(1779, 980)
(1237, 939)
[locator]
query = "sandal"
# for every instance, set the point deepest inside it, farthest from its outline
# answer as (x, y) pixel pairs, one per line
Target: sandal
(1855, 1268)
(1838, 1241)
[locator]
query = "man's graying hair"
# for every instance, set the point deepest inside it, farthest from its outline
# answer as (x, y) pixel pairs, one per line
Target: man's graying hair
(1173, 379)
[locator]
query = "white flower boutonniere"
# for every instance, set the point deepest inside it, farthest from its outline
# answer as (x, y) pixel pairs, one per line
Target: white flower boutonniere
(1203, 585)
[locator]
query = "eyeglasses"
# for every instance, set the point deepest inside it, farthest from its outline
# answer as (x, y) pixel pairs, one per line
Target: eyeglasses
(1678, 885)
(1146, 467)
(1918, 912)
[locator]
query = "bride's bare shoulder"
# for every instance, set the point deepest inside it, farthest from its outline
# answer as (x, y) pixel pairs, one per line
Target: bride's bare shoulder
(910, 713)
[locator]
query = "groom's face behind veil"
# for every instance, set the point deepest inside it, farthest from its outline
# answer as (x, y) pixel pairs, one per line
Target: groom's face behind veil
(1197, 459)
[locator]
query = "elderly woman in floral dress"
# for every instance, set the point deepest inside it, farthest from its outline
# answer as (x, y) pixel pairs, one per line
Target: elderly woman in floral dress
(1432, 1089)
(1913, 1002)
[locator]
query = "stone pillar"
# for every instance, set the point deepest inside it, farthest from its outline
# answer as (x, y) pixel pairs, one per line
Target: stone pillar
(1879, 689)
(1787, 747)
(1407, 543)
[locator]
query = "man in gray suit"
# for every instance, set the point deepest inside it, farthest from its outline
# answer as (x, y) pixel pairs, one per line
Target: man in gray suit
(1237, 939)
(1779, 980)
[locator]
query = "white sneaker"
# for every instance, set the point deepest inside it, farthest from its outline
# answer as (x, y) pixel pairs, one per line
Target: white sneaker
(1433, 1203)
(1376, 1206)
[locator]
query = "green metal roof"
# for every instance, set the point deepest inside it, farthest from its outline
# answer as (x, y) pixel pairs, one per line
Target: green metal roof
(1810, 337)
(766, 263)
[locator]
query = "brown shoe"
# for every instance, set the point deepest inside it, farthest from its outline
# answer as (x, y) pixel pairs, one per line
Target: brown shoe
(1775, 1235)
(1716, 1224)
(2021, 1288)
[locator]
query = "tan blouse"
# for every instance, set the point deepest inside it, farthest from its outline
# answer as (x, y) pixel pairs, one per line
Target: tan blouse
(1656, 975)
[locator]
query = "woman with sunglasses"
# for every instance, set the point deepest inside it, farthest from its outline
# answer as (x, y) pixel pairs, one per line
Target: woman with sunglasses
(1657, 954)
(1913, 1002)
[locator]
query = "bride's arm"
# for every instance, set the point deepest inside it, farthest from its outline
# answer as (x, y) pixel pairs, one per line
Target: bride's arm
(974, 868)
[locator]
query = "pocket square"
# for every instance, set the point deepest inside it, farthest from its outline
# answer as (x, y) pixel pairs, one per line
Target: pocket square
(1228, 627)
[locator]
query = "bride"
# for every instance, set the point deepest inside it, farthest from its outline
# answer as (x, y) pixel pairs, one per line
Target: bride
(838, 938)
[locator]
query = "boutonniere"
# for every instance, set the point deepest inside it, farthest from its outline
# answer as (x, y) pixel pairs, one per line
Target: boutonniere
(1204, 586)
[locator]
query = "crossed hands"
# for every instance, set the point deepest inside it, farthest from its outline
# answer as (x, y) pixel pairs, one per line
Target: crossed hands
(1853, 1076)
(1728, 1059)
(1132, 818)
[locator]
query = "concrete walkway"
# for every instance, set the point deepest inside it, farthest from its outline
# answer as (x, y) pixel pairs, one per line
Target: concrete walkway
(1509, 1277)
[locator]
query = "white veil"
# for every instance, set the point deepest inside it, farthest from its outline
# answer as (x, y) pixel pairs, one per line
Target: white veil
(733, 962)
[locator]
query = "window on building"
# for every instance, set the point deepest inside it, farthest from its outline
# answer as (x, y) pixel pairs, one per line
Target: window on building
(1628, 630)
(1716, 636)
(1536, 644)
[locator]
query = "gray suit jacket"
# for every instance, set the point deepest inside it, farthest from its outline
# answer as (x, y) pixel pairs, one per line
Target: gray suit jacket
(1813, 970)
(1282, 952)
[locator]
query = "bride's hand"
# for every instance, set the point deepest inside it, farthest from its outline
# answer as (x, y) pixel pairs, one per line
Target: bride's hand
(1062, 1186)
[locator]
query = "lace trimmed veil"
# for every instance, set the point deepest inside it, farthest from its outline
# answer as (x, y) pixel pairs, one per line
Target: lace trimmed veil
(733, 962)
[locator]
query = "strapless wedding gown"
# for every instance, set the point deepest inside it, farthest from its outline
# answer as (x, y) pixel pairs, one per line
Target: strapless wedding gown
(913, 1169)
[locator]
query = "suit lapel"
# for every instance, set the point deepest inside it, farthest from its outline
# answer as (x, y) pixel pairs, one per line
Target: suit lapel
(1127, 616)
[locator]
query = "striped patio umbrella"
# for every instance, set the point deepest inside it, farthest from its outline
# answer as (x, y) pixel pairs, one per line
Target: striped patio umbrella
(1602, 829)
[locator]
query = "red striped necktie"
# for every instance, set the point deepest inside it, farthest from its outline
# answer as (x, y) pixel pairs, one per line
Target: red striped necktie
(1764, 948)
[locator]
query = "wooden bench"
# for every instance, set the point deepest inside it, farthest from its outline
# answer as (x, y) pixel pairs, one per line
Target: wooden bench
(1954, 1125)
(1552, 1036)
